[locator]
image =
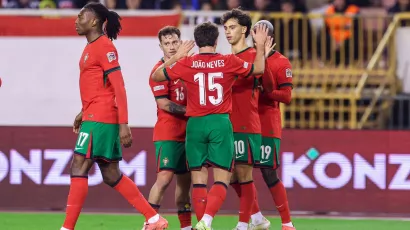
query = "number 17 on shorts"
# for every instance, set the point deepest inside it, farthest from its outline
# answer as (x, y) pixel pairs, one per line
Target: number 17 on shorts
(269, 153)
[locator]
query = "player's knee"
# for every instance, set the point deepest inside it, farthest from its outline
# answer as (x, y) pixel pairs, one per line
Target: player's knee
(244, 173)
(111, 179)
(270, 176)
(80, 166)
(164, 178)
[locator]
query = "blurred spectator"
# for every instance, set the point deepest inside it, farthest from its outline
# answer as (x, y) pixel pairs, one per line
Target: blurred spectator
(205, 6)
(22, 4)
(123, 4)
(400, 6)
(340, 30)
(228, 4)
(287, 29)
(47, 4)
(265, 5)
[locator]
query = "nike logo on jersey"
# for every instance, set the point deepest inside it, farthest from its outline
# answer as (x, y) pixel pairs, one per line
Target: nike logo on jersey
(263, 162)
(76, 148)
(175, 82)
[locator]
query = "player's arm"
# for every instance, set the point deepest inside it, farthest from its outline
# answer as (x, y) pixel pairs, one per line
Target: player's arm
(284, 92)
(160, 91)
(112, 72)
(169, 106)
(163, 73)
(160, 73)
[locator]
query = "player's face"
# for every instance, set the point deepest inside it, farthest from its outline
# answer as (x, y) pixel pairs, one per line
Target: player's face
(170, 44)
(84, 22)
(233, 31)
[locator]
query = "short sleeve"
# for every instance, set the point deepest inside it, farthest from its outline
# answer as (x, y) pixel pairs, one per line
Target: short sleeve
(109, 58)
(176, 70)
(240, 67)
(284, 74)
(159, 89)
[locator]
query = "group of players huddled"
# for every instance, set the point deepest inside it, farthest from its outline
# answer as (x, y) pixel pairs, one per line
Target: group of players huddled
(214, 111)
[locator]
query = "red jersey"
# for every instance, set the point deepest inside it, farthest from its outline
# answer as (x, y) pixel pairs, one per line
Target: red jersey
(169, 127)
(99, 59)
(245, 96)
(279, 69)
(209, 78)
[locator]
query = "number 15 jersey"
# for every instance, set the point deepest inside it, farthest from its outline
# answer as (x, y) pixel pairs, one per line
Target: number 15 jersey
(209, 78)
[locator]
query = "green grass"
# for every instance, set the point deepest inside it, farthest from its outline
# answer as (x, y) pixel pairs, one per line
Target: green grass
(50, 221)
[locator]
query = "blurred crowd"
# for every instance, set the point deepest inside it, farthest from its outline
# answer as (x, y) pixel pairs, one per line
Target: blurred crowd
(259, 5)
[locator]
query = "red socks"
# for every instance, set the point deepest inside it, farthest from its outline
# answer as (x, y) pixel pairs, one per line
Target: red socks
(199, 199)
(280, 198)
(127, 188)
(76, 197)
(246, 201)
(255, 206)
(184, 218)
(216, 197)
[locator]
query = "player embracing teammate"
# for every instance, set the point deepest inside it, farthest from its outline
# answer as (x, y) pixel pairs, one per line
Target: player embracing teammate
(209, 77)
(253, 115)
(169, 133)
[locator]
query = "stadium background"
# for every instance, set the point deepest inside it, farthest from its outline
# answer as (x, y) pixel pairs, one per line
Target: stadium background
(345, 148)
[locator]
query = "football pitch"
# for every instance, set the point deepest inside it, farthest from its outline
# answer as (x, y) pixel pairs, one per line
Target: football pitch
(53, 221)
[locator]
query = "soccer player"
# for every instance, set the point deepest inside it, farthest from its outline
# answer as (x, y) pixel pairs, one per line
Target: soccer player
(103, 121)
(244, 117)
(209, 77)
(169, 133)
(279, 69)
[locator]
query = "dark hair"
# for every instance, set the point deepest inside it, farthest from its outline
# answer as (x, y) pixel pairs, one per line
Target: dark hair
(112, 19)
(168, 30)
(206, 34)
(243, 19)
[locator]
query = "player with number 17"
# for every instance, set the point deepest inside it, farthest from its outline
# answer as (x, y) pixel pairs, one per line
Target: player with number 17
(209, 77)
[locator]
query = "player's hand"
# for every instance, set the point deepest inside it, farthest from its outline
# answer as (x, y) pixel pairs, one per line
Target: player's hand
(125, 135)
(260, 34)
(269, 46)
(184, 49)
(77, 123)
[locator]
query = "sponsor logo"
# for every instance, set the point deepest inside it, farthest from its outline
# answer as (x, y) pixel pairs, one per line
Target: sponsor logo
(354, 172)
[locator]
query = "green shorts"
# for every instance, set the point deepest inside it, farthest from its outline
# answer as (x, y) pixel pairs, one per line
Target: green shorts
(170, 155)
(209, 141)
(99, 141)
(269, 153)
(247, 148)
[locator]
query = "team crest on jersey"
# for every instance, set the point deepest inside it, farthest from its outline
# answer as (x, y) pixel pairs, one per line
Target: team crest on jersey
(111, 56)
(245, 65)
(165, 161)
(85, 57)
(288, 73)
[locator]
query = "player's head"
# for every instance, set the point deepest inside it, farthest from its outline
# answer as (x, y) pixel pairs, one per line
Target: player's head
(237, 25)
(206, 34)
(93, 16)
(268, 25)
(169, 40)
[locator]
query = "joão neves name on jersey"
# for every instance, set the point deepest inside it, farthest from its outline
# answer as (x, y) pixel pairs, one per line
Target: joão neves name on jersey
(212, 64)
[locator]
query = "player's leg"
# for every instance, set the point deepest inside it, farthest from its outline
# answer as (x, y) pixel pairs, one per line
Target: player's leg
(183, 200)
(183, 190)
(220, 155)
(80, 166)
(196, 154)
(113, 177)
(166, 166)
(247, 151)
(269, 165)
(108, 153)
